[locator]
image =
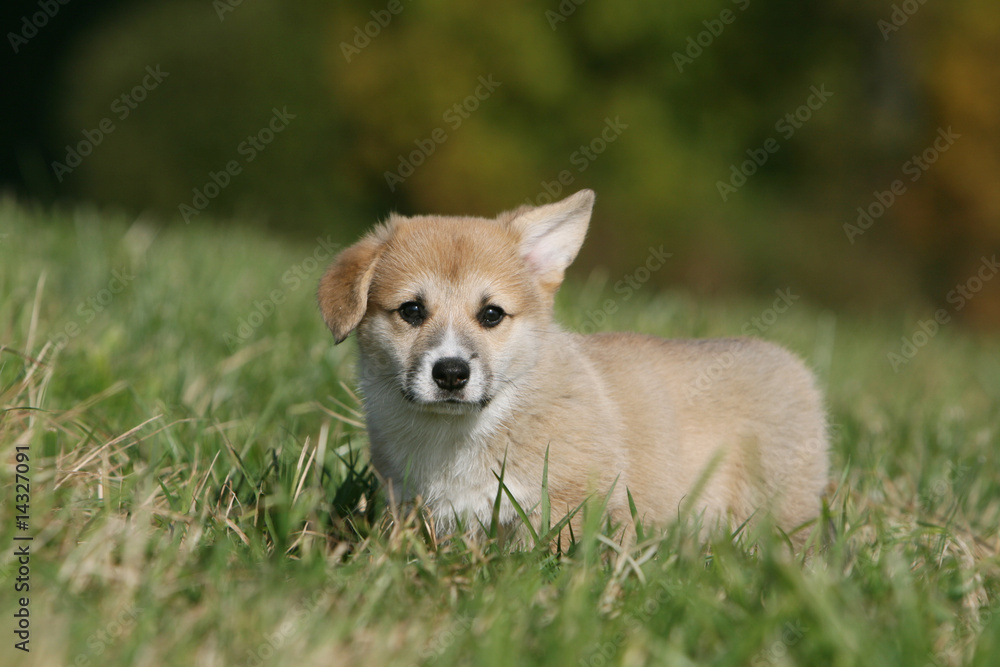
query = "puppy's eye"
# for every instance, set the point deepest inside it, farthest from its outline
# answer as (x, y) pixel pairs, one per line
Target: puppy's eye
(413, 312)
(490, 316)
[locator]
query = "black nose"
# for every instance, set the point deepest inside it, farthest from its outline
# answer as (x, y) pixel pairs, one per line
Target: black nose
(450, 373)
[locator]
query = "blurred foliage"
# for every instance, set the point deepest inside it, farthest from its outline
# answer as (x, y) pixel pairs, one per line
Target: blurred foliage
(364, 103)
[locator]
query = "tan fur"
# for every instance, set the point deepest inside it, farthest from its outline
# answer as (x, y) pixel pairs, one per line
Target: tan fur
(722, 428)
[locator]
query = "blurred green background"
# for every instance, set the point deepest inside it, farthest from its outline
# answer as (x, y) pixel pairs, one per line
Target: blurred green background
(741, 135)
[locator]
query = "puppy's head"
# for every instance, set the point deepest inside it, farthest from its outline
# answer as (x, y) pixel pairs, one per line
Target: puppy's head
(447, 308)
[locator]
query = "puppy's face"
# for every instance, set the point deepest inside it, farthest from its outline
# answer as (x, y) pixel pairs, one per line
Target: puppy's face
(447, 308)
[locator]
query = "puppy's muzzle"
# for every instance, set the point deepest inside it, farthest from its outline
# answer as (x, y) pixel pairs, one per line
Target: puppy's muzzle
(451, 373)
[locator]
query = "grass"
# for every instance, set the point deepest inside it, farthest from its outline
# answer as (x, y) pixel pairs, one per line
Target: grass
(200, 497)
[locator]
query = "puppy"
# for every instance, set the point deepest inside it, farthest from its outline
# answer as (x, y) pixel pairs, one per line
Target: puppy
(463, 371)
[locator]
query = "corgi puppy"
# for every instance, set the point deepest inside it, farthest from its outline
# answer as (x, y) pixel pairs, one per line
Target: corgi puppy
(464, 372)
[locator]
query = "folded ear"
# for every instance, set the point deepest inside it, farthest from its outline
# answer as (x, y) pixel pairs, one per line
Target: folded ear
(551, 235)
(343, 289)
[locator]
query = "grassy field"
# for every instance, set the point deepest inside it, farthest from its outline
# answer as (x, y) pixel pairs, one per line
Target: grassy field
(199, 496)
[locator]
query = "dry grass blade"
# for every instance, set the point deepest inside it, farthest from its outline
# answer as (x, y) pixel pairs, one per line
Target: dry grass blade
(356, 422)
(201, 485)
(623, 558)
(36, 306)
(236, 529)
(305, 472)
(88, 403)
(94, 454)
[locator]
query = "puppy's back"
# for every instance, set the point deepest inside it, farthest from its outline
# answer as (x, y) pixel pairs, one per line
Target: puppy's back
(742, 413)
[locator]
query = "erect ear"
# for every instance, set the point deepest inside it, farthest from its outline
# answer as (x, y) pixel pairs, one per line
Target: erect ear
(551, 235)
(343, 289)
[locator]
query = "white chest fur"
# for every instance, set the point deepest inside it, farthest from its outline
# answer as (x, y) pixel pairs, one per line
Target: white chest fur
(450, 461)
